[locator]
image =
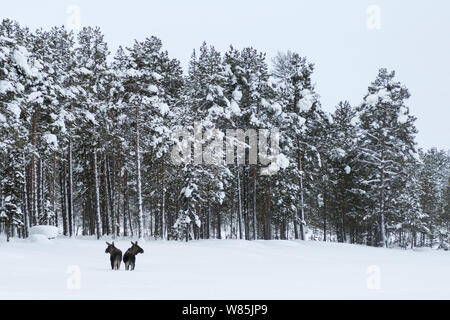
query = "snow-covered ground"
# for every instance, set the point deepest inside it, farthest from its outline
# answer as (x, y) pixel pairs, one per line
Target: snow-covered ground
(227, 269)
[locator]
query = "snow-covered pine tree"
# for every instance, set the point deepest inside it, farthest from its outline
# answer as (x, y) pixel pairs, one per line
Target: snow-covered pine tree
(410, 219)
(301, 113)
(387, 138)
(207, 111)
(147, 92)
(433, 172)
(17, 73)
(170, 85)
(90, 70)
(343, 170)
(46, 100)
(446, 215)
(253, 105)
(120, 131)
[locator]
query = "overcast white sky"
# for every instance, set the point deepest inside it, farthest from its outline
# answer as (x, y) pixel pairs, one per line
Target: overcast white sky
(414, 40)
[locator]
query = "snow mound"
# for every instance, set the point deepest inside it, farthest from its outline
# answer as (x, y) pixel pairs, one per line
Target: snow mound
(49, 232)
(38, 238)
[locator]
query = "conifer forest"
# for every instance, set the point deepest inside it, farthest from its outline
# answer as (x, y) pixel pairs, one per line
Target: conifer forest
(87, 144)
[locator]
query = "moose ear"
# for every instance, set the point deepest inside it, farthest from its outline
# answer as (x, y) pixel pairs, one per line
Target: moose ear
(107, 243)
(132, 243)
(135, 243)
(113, 243)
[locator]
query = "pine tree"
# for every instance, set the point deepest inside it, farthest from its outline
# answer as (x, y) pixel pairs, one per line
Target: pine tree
(301, 113)
(433, 173)
(343, 169)
(90, 70)
(206, 112)
(148, 93)
(17, 72)
(387, 138)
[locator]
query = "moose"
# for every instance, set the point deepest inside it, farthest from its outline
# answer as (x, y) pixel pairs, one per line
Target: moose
(129, 258)
(115, 255)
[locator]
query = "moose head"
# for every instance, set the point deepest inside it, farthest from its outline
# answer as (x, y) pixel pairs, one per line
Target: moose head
(135, 249)
(111, 248)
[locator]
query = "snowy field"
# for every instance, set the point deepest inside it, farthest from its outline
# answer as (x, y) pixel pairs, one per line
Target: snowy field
(227, 269)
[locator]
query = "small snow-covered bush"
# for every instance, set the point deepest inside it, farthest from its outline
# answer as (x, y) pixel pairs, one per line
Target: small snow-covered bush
(48, 231)
(38, 238)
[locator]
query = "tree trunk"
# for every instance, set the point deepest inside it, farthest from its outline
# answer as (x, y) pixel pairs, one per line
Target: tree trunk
(163, 200)
(126, 208)
(110, 188)
(25, 201)
(34, 206)
(219, 225)
(268, 216)
(255, 228)
(119, 192)
(382, 223)
(301, 204)
(44, 212)
(70, 192)
(239, 204)
(208, 221)
(245, 204)
(139, 186)
(64, 199)
(97, 197)
(54, 190)
(108, 215)
(34, 192)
